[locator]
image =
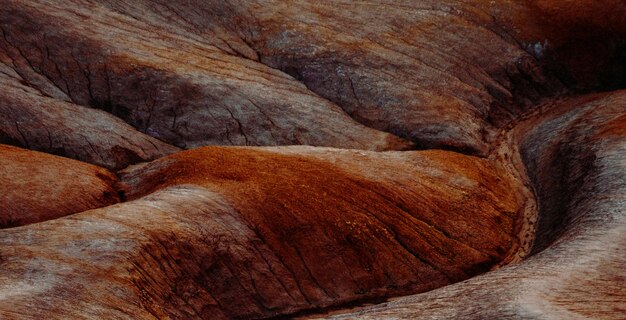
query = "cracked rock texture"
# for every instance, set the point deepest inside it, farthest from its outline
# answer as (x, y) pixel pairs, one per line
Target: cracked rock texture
(247, 233)
(50, 125)
(575, 154)
(287, 158)
(178, 89)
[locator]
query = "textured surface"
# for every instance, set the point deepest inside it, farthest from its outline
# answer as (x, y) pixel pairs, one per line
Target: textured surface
(175, 88)
(576, 159)
(36, 187)
(270, 231)
(33, 121)
(517, 211)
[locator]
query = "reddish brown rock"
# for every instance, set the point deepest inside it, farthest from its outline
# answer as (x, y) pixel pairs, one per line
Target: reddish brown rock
(227, 232)
(398, 75)
(37, 187)
(248, 233)
(575, 152)
(445, 74)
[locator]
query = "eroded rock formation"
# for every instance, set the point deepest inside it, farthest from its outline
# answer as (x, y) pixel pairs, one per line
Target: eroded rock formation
(262, 232)
(575, 153)
(178, 89)
(525, 182)
(37, 187)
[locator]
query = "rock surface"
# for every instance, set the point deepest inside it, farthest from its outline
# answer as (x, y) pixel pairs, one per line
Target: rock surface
(445, 74)
(248, 233)
(575, 155)
(33, 121)
(525, 202)
(441, 73)
(37, 187)
(174, 87)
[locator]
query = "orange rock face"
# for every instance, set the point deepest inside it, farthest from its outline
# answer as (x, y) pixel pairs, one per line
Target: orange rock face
(293, 158)
(342, 235)
(36, 187)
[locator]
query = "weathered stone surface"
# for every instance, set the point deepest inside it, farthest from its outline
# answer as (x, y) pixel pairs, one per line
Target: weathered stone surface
(174, 87)
(248, 233)
(576, 158)
(532, 188)
(442, 73)
(36, 122)
(36, 187)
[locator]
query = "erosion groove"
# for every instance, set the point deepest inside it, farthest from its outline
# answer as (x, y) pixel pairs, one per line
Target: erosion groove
(579, 240)
(455, 159)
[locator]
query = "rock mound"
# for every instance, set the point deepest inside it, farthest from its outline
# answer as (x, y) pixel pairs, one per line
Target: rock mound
(37, 187)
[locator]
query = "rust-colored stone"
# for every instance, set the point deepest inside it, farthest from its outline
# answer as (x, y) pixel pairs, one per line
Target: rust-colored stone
(314, 200)
(37, 187)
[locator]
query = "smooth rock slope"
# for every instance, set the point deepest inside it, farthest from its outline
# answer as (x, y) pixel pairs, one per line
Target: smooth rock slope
(37, 187)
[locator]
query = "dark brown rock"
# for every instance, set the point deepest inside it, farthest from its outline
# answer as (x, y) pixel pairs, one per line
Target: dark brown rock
(173, 87)
(34, 121)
